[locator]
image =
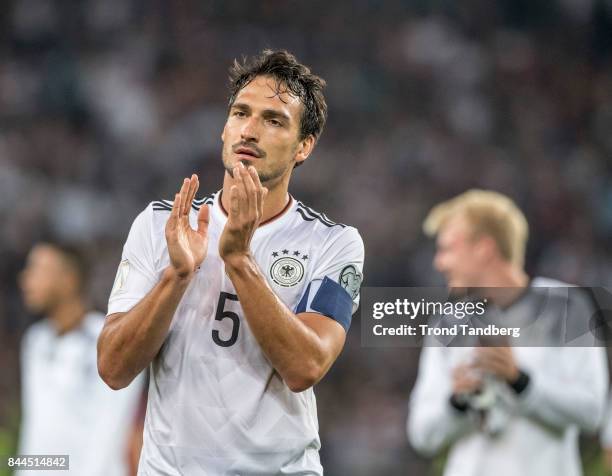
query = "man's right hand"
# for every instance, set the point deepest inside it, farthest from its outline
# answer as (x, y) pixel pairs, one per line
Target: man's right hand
(466, 380)
(187, 247)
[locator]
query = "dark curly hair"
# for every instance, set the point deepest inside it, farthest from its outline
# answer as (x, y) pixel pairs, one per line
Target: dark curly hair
(292, 77)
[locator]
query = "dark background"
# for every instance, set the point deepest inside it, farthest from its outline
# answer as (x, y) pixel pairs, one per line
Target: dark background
(106, 105)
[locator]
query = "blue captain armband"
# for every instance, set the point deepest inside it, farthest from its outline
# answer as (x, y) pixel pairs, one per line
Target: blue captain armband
(331, 300)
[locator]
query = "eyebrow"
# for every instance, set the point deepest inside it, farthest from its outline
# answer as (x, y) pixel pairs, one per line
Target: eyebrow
(266, 113)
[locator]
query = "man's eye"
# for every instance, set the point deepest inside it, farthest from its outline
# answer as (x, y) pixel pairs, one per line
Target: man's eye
(239, 113)
(274, 122)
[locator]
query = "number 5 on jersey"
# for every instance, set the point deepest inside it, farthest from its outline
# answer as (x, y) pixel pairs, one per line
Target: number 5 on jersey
(223, 314)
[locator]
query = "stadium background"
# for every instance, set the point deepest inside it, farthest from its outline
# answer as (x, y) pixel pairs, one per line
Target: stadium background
(106, 104)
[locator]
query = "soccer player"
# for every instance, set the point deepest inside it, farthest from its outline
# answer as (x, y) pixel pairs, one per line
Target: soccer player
(502, 410)
(67, 409)
(239, 301)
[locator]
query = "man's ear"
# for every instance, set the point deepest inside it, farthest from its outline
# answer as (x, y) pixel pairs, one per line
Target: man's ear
(304, 149)
(487, 247)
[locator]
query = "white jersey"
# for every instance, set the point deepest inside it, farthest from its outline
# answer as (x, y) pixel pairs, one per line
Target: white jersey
(534, 433)
(67, 408)
(216, 405)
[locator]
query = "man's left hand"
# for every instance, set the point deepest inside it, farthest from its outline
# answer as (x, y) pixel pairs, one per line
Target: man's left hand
(245, 213)
(497, 361)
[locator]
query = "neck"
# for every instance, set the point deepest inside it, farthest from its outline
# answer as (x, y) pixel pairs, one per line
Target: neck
(505, 283)
(67, 315)
(276, 199)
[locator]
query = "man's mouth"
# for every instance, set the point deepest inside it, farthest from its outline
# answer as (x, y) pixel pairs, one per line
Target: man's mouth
(248, 152)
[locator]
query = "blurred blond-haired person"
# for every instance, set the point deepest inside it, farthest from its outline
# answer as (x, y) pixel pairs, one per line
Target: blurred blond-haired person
(506, 411)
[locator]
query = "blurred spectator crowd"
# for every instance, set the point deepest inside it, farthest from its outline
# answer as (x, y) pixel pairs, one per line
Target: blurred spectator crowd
(105, 105)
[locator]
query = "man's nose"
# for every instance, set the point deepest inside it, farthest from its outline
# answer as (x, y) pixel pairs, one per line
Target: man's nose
(250, 130)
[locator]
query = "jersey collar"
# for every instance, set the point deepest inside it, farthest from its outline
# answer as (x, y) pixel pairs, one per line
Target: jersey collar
(269, 223)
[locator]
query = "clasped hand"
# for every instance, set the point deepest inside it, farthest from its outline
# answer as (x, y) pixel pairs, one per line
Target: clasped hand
(497, 361)
(245, 213)
(187, 247)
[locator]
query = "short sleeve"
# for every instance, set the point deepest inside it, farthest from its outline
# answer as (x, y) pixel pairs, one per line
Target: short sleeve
(335, 283)
(136, 274)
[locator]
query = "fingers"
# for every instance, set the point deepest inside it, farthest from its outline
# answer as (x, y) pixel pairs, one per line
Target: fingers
(188, 190)
(466, 384)
(234, 212)
(252, 193)
(496, 360)
(182, 196)
(182, 202)
(176, 207)
(465, 379)
(465, 371)
(193, 189)
(203, 220)
(172, 222)
(261, 191)
(239, 200)
(239, 174)
(495, 354)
